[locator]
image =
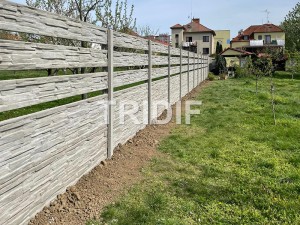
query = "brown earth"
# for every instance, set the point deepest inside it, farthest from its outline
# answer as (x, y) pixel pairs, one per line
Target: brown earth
(109, 180)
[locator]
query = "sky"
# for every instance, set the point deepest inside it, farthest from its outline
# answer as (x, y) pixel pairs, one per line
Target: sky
(232, 15)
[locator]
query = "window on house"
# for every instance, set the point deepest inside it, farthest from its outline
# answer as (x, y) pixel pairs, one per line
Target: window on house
(259, 37)
(176, 45)
(246, 37)
(176, 38)
(205, 51)
(267, 39)
(205, 38)
(189, 39)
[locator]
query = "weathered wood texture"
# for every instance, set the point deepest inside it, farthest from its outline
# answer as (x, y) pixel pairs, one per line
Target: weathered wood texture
(25, 92)
(45, 152)
(19, 55)
(15, 17)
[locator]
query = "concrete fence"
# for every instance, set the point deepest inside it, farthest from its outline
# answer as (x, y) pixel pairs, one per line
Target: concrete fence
(45, 152)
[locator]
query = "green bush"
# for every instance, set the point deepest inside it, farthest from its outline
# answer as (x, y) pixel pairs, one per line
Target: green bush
(211, 77)
(240, 72)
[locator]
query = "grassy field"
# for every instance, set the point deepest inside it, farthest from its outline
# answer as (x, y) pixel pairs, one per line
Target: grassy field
(230, 166)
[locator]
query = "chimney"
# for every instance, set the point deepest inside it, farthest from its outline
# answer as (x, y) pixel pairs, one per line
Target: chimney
(196, 20)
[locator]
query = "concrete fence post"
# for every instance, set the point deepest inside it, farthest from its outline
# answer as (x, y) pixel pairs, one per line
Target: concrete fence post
(198, 72)
(194, 69)
(207, 66)
(202, 68)
(149, 82)
(188, 73)
(169, 74)
(204, 71)
(180, 75)
(110, 65)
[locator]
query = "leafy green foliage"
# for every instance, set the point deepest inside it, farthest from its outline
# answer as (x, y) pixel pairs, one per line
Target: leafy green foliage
(220, 60)
(291, 26)
(211, 76)
(220, 64)
(219, 48)
(230, 166)
(117, 17)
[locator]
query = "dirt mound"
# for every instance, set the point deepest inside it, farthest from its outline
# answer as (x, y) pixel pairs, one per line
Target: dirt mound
(105, 183)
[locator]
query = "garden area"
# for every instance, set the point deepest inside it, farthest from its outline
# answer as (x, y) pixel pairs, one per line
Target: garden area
(232, 165)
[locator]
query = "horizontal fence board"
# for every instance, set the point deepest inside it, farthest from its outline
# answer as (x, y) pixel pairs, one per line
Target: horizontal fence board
(20, 93)
(134, 76)
(175, 51)
(15, 17)
(19, 55)
(122, 59)
(128, 41)
(159, 48)
(45, 152)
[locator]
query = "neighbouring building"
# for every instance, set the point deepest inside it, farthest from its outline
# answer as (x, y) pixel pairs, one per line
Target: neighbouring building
(194, 37)
(223, 37)
(162, 38)
(254, 41)
(257, 37)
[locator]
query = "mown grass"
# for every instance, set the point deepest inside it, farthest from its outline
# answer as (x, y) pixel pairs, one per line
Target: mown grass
(230, 166)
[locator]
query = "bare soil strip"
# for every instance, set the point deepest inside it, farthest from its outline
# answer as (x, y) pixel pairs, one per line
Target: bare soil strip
(112, 178)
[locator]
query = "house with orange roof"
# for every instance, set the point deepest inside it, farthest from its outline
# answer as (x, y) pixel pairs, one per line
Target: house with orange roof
(194, 37)
(257, 37)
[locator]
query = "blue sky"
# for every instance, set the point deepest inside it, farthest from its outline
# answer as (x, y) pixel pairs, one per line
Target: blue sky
(217, 15)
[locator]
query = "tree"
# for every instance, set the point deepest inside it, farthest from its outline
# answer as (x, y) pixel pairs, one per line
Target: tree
(77, 9)
(121, 19)
(220, 60)
(291, 26)
(92, 11)
(219, 48)
(146, 31)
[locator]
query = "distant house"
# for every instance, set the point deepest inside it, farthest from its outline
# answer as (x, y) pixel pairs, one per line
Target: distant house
(162, 38)
(235, 56)
(257, 37)
(194, 37)
(254, 41)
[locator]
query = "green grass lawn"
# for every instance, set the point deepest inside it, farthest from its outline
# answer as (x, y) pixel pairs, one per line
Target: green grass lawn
(230, 166)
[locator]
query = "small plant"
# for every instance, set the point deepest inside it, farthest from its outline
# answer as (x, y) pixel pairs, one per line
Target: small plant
(293, 64)
(211, 77)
